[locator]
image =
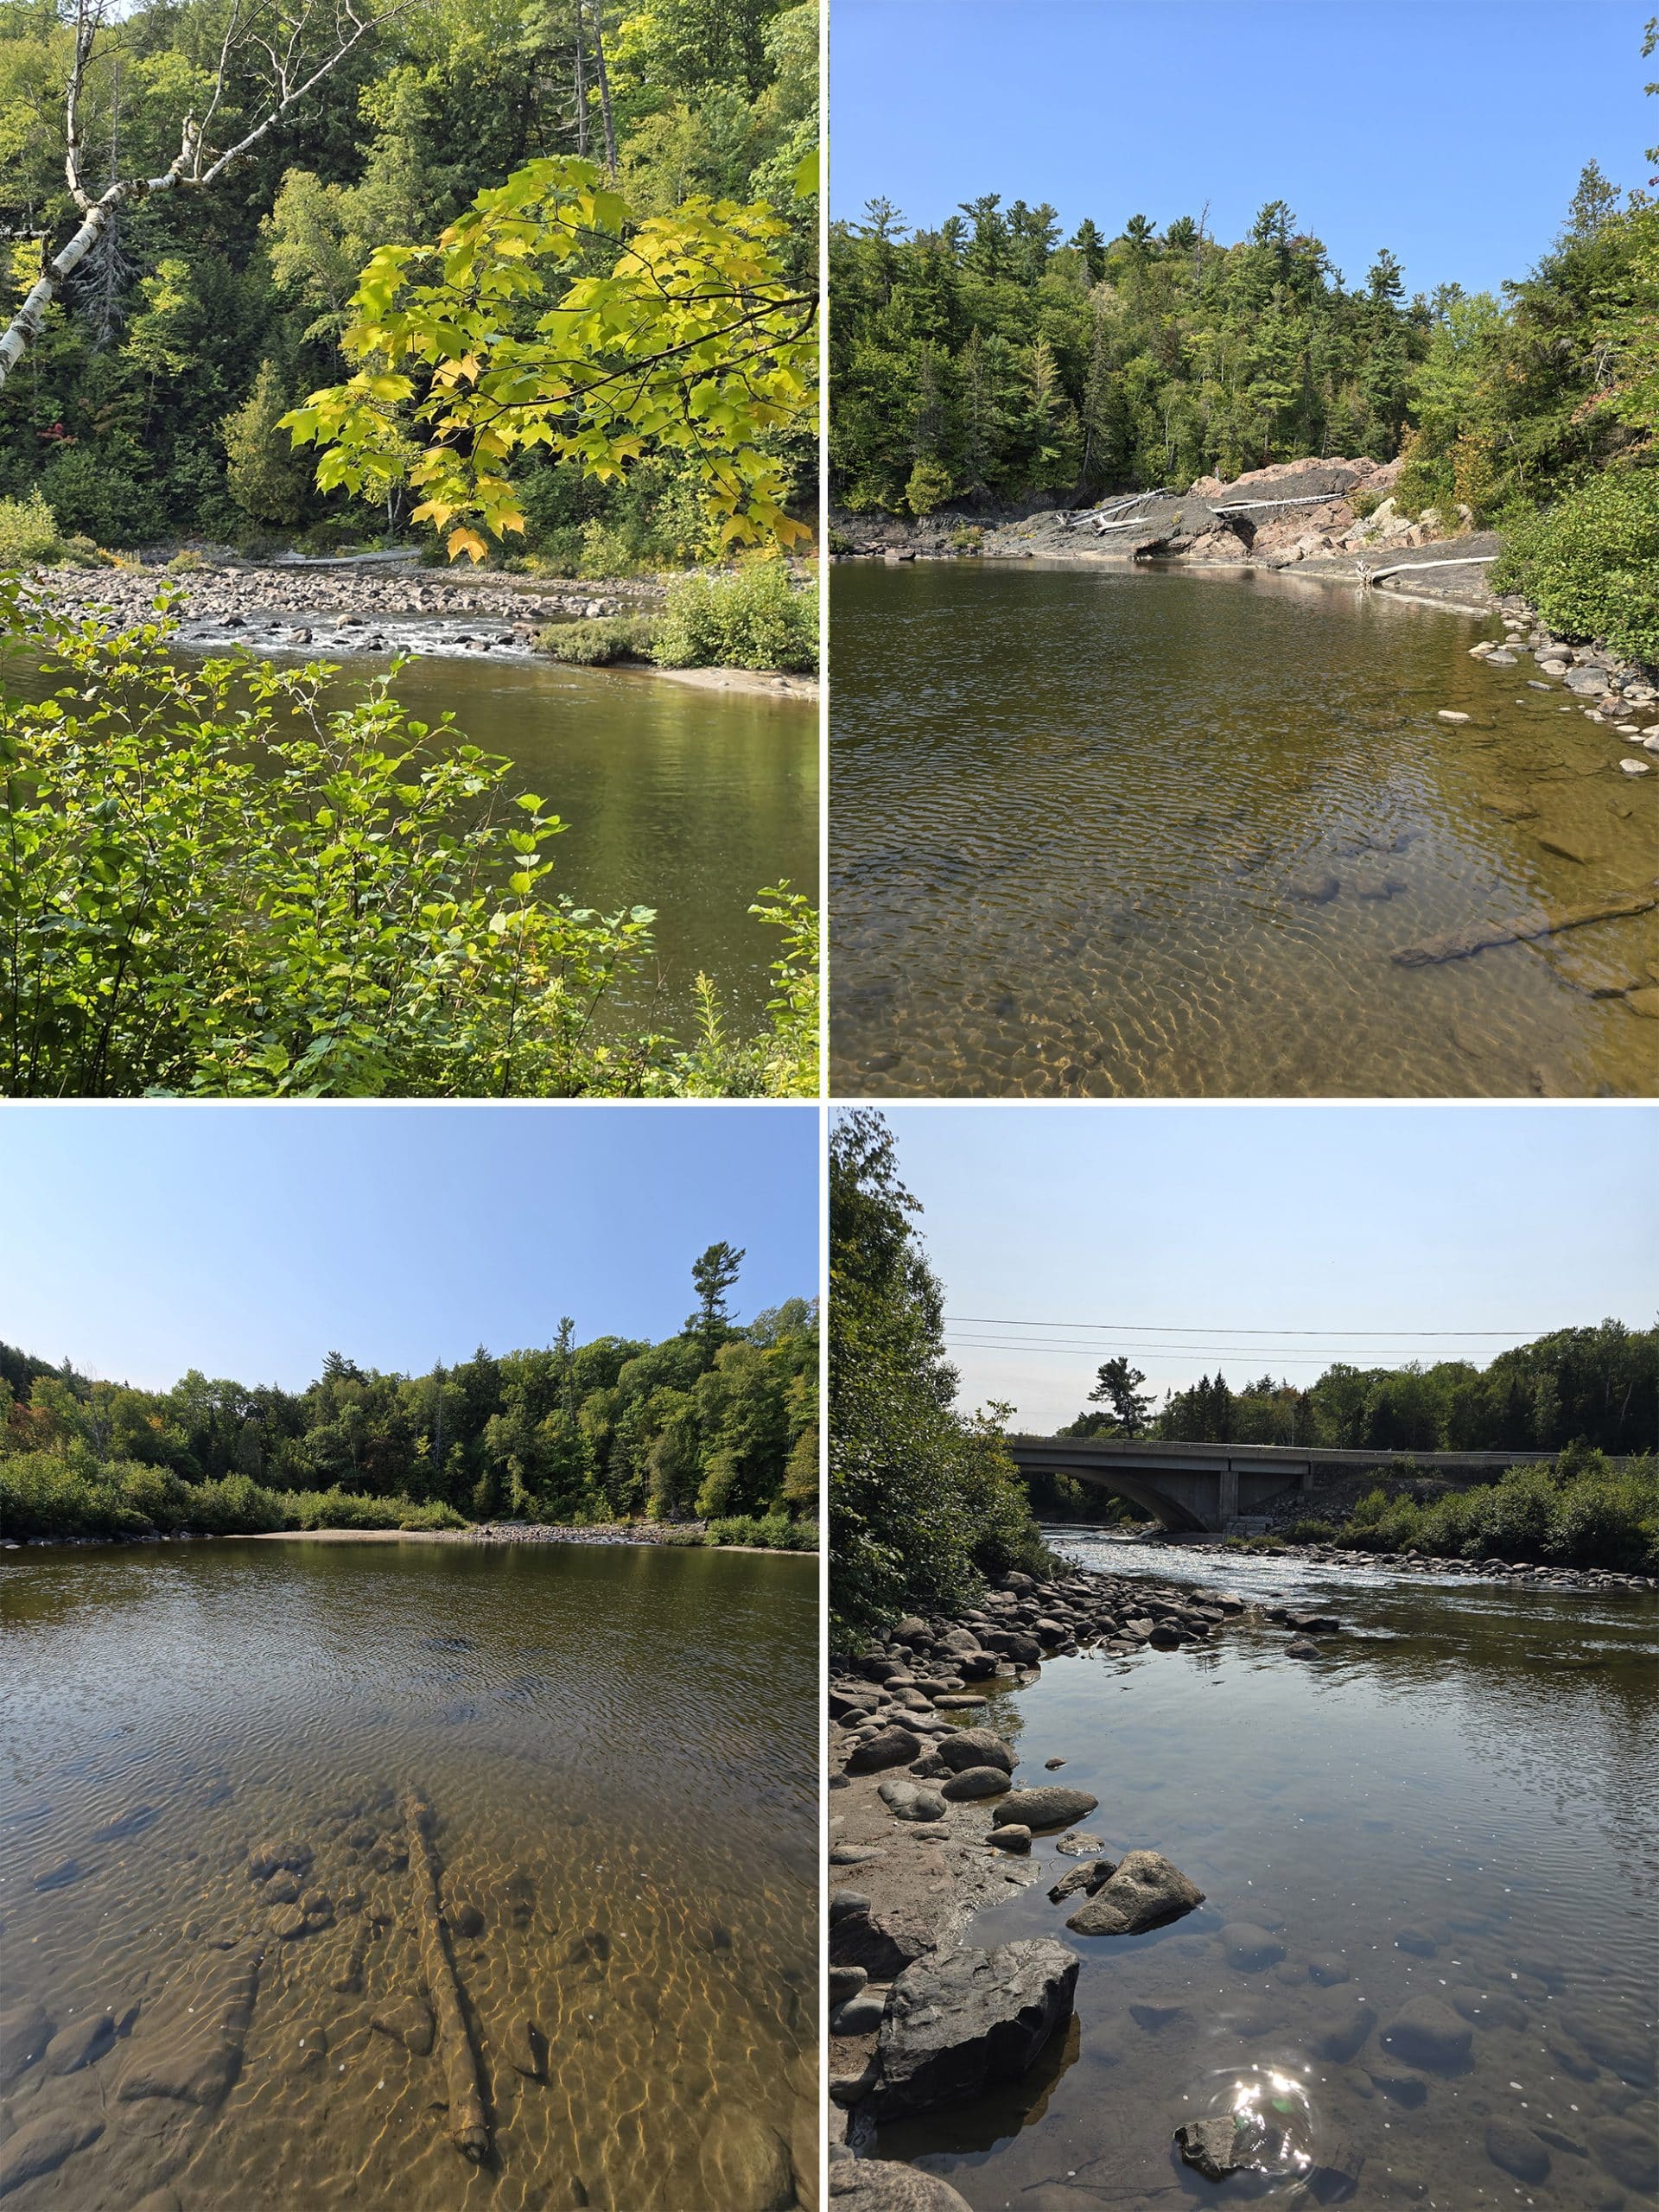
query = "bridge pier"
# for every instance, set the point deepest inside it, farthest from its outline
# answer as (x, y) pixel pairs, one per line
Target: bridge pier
(1227, 1504)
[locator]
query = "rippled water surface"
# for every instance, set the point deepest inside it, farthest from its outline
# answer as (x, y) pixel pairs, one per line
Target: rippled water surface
(1071, 809)
(619, 1750)
(1455, 1800)
(687, 799)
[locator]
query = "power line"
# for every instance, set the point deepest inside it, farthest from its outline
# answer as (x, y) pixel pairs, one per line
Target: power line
(1185, 1329)
(1081, 1346)
(1266, 1355)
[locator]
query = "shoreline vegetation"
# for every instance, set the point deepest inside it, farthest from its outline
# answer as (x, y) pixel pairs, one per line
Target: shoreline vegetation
(998, 388)
(376, 919)
(709, 1437)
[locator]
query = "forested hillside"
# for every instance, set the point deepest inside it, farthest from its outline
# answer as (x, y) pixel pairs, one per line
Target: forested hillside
(996, 361)
(1595, 1386)
(719, 1420)
(149, 407)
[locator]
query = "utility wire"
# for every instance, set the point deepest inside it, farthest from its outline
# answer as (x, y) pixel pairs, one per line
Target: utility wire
(1193, 1329)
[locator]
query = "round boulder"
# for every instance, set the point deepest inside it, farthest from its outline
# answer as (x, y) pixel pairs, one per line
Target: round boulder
(1047, 1807)
(970, 1747)
(1424, 2033)
(883, 2185)
(975, 1782)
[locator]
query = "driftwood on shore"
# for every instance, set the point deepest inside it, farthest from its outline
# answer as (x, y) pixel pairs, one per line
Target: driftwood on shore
(469, 2126)
(1458, 945)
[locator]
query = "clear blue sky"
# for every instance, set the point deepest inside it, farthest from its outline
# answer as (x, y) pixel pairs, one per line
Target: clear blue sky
(1327, 1219)
(142, 1241)
(1452, 131)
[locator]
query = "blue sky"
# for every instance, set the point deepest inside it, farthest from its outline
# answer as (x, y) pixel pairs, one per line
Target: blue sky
(142, 1241)
(1452, 131)
(1323, 1219)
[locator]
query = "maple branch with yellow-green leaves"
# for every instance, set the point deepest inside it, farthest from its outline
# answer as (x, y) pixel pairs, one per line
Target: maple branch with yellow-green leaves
(693, 341)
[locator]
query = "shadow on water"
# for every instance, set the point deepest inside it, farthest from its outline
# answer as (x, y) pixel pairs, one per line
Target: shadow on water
(1438, 1807)
(1100, 832)
(619, 1748)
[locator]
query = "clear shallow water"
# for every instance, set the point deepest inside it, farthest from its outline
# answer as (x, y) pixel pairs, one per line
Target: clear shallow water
(676, 796)
(673, 795)
(619, 1746)
(1069, 805)
(1464, 1766)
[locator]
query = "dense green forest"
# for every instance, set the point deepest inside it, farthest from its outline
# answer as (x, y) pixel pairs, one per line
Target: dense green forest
(150, 406)
(718, 1421)
(1598, 1386)
(994, 360)
(922, 1503)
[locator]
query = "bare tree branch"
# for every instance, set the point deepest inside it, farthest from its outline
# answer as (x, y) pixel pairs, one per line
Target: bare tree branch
(296, 66)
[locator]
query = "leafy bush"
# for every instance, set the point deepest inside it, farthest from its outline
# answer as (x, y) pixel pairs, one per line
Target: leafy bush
(1310, 1532)
(783, 1063)
(1364, 503)
(929, 486)
(339, 1508)
(750, 617)
(1578, 1512)
(29, 533)
(292, 900)
(1590, 564)
(597, 643)
(773, 1532)
(71, 1493)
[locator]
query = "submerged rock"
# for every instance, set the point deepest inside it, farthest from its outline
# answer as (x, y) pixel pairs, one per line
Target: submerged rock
(268, 1859)
(1251, 1947)
(25, 2031)
(1088, 1874)
(1146, 1892)
(407, 2020)
(39, 2146)
(190, 2048)
(960, 2020)
(1516, 2150)
(83, 2042)
(745, 2163)
(1424, 2032)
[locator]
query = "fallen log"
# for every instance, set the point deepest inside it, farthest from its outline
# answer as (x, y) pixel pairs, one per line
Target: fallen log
(1458, 945)
(469, 2127)
(1369, 576)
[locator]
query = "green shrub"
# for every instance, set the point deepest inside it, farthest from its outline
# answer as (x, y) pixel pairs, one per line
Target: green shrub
(599, 642)
(750, 617)
(1364, 503)
(684, 1538)
(1310, 1532)
(339, 1509)
(29, 533)
(1590, 564)
(773, 1532)
(930, 486)
(180, 918)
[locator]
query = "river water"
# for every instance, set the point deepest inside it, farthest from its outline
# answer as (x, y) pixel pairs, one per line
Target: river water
(1456, 1800)
(675, 796)
(619, 1748)
(1072, 809)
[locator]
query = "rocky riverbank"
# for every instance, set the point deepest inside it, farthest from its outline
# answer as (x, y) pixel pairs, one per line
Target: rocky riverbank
(483, 1532)
(1515, 1573)
(342, 611)
(931, 1821)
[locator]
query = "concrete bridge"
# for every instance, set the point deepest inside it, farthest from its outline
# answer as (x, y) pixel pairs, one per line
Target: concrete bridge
(1210, 1486)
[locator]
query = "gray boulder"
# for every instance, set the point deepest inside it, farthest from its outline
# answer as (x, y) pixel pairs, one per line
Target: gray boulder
(1516, 2150)
(1088, 1874)
(1210, 2145)
(887, 1747)
(1046, 1807)
(905, 1801)
(883, 2185)
(975, 1782)
(1145, 1892)
(970, 1747)
(960, 2020)
(1250, 1948)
